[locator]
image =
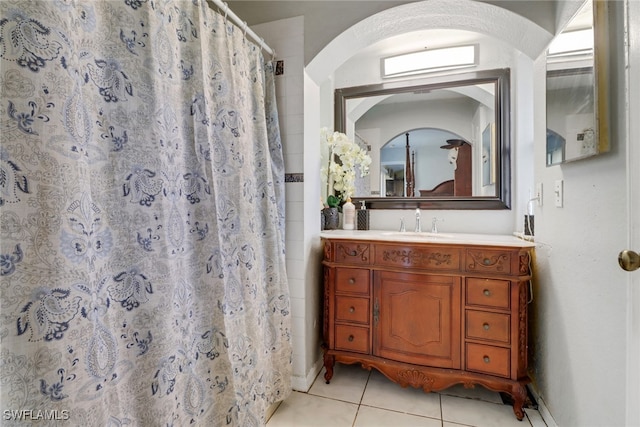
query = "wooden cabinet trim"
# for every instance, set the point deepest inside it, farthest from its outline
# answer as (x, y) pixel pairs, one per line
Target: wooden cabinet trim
(352, 252)
(431, 257)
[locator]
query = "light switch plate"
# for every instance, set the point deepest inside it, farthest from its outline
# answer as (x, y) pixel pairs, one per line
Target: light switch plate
(558, 193)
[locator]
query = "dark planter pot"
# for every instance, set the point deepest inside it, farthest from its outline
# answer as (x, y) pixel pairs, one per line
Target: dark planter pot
(331, 218)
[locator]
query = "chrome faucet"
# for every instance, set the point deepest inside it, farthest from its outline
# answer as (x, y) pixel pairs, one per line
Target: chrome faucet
(434, 226)
(418, 226)
(402, 227)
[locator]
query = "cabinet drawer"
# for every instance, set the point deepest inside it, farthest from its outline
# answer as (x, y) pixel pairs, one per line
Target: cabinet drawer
(488, 326)
(494, 261)
(352, 338)
(488, 293)
(488, 360)
(352, 253)
(352, 309)
(352, 281)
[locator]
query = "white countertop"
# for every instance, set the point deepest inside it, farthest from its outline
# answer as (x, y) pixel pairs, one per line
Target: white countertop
(426, 237)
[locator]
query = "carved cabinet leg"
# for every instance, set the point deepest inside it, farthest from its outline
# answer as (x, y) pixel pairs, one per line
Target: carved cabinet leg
(519, 394)
(329, 361)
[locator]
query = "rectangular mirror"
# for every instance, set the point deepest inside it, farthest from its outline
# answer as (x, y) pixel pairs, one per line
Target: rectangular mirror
(577, 87)
(439, 143)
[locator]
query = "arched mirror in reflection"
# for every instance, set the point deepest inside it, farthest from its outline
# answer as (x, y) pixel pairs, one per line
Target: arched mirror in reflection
(429, 139)
(417, 163)
(577, 108)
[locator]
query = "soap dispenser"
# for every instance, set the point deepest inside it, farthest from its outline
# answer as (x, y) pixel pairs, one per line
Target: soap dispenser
(362, 216)
(349, 211)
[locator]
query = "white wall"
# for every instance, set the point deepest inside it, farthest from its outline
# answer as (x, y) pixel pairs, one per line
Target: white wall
(580, 292)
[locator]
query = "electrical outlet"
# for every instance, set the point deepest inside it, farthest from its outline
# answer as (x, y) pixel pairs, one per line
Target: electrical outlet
(538, 195)
(558, 193)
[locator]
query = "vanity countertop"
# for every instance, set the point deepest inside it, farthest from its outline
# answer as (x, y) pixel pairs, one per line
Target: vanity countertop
(426, 237)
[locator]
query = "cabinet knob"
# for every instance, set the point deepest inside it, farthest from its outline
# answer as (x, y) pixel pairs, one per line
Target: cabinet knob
(486, 359)
(486, 292)
(352, 309)
(350, 338)
(486, 326)
(352, 281)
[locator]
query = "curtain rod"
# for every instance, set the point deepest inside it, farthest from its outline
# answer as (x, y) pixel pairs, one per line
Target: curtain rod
(243, 24)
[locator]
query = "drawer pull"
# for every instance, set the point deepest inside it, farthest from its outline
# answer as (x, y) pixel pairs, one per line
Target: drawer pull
(352, 281)
(351, 338)
(486, 359)
(352, 253)
(487, 293)
(352, 309)
(485, 326)
(486, 261)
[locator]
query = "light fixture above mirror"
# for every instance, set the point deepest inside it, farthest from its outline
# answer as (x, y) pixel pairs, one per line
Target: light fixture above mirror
(430, 61)
(473, 107)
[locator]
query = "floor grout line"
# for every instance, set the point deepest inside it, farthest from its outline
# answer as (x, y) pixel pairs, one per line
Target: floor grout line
(368, 383)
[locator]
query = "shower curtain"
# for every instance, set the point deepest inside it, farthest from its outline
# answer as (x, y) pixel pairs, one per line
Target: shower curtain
(142, 263)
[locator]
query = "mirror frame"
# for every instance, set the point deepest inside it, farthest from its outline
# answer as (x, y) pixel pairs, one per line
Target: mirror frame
(501, 79)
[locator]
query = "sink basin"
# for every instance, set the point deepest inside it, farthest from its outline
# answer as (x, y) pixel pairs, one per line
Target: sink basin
(416, 235)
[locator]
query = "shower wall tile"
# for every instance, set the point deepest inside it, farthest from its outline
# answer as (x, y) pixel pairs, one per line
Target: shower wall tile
(295, 104)
(295, 249)
(298, 345)
(293, 177)
(293, 124)
(294, 211)
(296, 85)
(298, 360)
(297, 328)
(286, 45)
(296, 145)
(286, 37)
(293, 228)
(281, 92)
(293, 162)
(296, 287)
(295, 270)
(294, 192)
(297, 307)
(283, 122)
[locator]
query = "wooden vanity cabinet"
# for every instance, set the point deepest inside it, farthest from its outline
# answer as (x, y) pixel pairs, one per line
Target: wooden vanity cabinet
(429, 315)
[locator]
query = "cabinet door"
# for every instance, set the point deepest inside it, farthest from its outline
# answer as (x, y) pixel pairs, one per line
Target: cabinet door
(417, 318)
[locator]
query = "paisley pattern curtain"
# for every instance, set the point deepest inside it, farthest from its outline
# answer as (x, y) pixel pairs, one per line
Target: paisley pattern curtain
(142, 241)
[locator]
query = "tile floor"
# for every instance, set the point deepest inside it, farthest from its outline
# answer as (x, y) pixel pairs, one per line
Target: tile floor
(359, 398)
